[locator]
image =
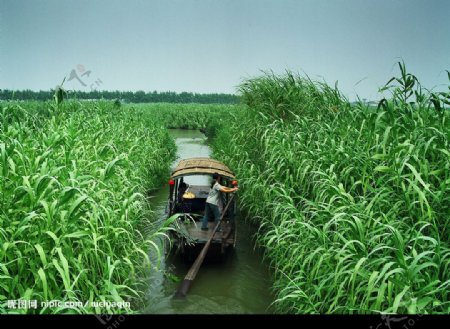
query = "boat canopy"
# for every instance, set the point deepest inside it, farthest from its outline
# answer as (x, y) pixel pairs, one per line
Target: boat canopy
(201, 166)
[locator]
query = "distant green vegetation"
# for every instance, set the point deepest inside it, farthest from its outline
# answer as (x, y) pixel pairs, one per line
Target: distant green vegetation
(124, 96)
(73, 202)
(352, 202)
(205, 117)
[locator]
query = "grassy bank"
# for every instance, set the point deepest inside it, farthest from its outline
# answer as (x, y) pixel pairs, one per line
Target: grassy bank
(205, 117)
(74, 180)
(352, 202)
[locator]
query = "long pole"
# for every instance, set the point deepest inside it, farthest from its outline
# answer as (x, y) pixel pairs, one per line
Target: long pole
(190, 276)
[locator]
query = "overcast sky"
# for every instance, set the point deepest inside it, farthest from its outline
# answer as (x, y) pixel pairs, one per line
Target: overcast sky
(210, 46)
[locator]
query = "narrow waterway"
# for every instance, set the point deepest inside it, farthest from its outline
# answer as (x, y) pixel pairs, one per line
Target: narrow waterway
(238, 285)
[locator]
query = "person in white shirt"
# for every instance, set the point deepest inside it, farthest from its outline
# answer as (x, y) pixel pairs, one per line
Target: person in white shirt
(213, 199)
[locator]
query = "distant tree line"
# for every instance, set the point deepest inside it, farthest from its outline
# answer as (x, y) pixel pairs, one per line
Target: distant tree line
(124, 96)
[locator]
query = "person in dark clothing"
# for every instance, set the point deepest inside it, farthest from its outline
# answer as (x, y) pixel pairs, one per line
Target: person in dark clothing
(181, 190)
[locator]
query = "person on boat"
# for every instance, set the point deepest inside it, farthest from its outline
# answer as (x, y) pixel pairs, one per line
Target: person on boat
(181, 190)
(213, 199)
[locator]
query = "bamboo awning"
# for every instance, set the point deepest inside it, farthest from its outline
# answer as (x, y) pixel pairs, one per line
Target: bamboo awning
(199, 166)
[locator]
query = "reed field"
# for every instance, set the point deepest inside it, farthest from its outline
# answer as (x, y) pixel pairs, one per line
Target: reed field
(188, 116)
(74, 183)
(351, 202)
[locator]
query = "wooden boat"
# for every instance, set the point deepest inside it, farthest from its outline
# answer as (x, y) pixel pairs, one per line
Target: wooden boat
(188, 201)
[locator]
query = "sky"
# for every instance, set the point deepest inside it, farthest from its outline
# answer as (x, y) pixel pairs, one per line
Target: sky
(210, 46)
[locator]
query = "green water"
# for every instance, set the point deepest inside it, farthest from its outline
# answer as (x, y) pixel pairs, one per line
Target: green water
(238, 285)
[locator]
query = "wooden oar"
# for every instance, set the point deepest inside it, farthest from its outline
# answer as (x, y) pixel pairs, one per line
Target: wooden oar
(190, 276)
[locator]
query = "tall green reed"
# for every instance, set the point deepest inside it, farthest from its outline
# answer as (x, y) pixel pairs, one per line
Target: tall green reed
(74, 183)
(352, 202)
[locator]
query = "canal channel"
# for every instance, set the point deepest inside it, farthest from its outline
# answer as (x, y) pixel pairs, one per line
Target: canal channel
(241, 284)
